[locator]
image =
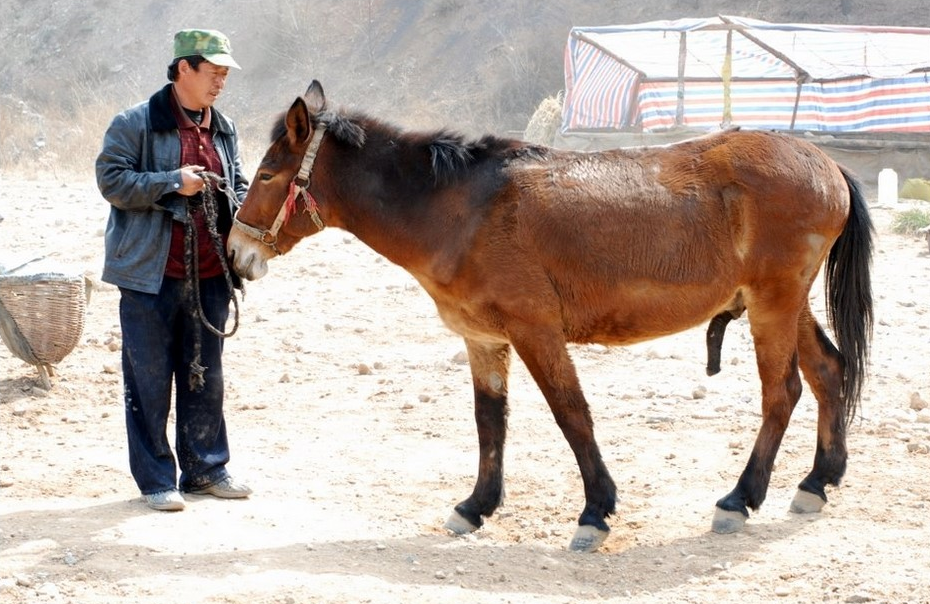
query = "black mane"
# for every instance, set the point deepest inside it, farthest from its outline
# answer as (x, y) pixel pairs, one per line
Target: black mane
(450, 153)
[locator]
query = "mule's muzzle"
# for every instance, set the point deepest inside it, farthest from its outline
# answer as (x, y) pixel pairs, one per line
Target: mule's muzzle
(247, 256)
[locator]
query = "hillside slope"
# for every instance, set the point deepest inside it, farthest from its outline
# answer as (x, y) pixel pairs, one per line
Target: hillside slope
(477, 66)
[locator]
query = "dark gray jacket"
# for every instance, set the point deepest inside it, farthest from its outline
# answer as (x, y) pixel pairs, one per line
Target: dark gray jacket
(138, 172)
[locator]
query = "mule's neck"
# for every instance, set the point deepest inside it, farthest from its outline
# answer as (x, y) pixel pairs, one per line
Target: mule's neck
(421, 227)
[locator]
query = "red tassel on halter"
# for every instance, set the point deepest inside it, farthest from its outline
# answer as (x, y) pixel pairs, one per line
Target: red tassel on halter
(291, 202)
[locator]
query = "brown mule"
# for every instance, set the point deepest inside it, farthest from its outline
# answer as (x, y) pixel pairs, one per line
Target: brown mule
(526, 248)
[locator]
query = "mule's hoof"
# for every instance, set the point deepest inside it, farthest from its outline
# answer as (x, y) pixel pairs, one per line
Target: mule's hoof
(805, 502)
(726, 522)
(459, 525)
(587, 539)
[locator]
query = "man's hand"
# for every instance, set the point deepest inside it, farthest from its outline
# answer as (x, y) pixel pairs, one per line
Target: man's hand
(191, 182)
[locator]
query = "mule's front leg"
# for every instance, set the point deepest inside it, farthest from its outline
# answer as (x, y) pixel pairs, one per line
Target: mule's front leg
(548, 362)
(490, 366)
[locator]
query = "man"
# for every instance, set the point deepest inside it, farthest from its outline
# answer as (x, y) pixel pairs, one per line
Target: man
(152, 170)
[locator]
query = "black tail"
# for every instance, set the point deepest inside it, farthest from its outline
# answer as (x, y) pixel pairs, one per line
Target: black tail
(849, 295)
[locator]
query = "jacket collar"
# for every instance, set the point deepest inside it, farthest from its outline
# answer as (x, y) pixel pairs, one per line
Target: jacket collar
(162, 118)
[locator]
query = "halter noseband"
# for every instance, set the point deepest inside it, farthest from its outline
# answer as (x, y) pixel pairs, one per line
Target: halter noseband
(299, 187)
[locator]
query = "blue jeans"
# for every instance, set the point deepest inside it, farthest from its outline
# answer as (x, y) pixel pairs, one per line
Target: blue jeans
(158, 346)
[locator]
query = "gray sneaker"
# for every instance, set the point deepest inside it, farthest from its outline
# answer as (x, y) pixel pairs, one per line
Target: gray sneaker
(225, 489)
(166, 501)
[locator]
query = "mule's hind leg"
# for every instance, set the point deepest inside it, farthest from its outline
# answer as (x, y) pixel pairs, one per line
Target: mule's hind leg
(776, 355)
(490, 366)
(822, 366)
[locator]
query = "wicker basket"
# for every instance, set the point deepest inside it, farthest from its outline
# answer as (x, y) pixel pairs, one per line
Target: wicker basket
(42, 317)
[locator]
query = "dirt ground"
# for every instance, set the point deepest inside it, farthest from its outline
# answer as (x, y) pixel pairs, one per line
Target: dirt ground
(349, 412)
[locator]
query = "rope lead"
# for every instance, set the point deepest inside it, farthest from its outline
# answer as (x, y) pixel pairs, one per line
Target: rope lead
(192, 273)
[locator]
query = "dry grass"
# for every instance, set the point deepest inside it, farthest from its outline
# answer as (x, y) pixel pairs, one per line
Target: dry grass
(61, 141)
(545, 121)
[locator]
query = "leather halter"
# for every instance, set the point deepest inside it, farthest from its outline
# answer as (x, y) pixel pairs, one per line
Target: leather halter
(299, 187)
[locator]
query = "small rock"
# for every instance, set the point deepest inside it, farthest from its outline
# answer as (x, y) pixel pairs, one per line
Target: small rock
(900, 414)
(23, 580)
(923, 416)
(363, 369)
(917, 403)
(699, 393)
(858, 599)
(460, 358)
(889, 424)
(284, 379)
(782, 591)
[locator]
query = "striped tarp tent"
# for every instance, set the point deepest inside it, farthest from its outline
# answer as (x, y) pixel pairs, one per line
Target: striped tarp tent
(723, 71)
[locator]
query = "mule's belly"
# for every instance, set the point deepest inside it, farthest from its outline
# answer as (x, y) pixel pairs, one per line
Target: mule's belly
(596, 315)
(630, 316)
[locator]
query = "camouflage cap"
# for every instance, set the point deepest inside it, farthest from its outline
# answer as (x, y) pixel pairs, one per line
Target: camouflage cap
(208, 43)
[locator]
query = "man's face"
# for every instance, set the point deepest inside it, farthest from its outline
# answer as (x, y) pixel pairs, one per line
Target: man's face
(200, 87)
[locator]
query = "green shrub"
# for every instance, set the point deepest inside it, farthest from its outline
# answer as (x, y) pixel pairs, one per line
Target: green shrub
(909, 221)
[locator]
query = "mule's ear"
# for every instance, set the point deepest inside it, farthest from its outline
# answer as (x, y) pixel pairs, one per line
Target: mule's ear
(298, 122)
(316, 100)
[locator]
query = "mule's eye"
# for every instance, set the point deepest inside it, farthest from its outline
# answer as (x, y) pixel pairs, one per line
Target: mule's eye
(265, 177)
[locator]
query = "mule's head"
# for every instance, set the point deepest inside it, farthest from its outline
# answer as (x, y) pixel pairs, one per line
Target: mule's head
(279, 210)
